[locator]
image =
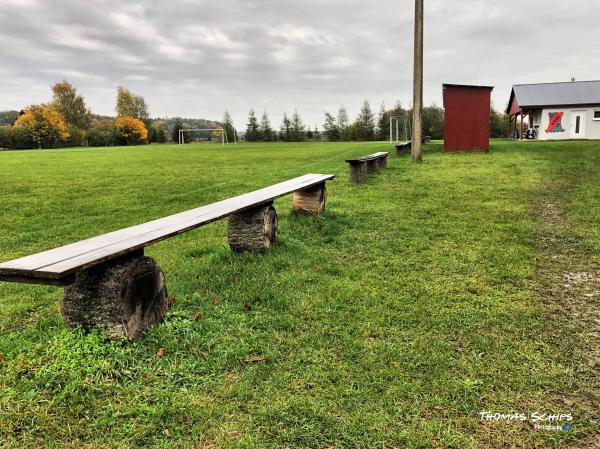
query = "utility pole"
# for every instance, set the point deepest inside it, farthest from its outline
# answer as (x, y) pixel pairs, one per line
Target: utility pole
(417, 128)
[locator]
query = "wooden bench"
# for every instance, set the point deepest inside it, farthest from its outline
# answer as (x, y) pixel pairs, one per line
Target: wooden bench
(403, 147)
(110, 285)
(366, 165)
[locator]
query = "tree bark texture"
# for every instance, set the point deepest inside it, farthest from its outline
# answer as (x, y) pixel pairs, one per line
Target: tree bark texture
(310, 201)
(121, 298)
(253, 230)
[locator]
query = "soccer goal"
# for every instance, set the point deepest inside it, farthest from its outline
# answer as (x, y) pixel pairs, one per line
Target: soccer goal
(402, 128)
(203, 135)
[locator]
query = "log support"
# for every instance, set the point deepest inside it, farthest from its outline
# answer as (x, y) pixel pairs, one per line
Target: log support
(382, 161)
(372, 166)
(253, 230)
(121, 298)
(310, 201)
(357, 172)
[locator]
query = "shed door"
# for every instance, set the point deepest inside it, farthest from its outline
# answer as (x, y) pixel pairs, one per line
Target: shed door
(577, 125)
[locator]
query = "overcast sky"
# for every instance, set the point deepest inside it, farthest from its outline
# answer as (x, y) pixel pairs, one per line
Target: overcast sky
(196, 58)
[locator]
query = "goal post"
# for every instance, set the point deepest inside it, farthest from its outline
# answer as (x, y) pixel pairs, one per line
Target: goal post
(395, 122)
(215, 132)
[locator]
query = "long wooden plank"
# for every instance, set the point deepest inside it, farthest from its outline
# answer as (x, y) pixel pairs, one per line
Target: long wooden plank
(66, 260)
(46, 258)
(369, 157)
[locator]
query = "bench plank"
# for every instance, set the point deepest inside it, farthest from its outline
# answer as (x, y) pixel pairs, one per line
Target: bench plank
(369, 157)
(62, 262)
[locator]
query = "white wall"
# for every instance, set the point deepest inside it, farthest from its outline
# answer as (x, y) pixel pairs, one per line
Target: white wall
(592, 127)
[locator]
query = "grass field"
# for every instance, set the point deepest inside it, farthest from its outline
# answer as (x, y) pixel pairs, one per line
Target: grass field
(427, 295)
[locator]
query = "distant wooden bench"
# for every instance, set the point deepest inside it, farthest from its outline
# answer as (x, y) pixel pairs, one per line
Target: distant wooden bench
(111, 286)
(366, 165)
(405, 147)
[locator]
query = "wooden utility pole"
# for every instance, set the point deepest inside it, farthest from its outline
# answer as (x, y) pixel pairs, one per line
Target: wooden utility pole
(417, 128)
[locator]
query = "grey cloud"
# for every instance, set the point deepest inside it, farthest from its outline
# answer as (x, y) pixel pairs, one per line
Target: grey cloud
(197, 58)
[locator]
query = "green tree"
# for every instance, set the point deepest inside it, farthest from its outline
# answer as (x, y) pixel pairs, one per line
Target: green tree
(433, 121)
(266, 132)
(498, 123)
(227, 125)
(130, 105)
(298, 129)
(343, 121)
(286, 129)
(177, 126)
(252, 128)
(71, 106)
(330, 128)
(365, 123)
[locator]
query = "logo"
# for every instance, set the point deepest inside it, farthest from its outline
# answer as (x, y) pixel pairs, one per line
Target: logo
(555, 125)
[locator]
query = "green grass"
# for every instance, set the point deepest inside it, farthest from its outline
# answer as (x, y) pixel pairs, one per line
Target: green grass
(411, 305)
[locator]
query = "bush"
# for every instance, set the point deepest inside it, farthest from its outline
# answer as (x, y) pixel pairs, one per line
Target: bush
(20, 138)
(102, 134)
(77, 137)
(5, 137)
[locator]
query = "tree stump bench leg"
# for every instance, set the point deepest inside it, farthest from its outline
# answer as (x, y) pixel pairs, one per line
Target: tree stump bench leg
(310, 201)
(383, 161)
(372, 166)
(121, 298)
(253, 230)
(357, 172)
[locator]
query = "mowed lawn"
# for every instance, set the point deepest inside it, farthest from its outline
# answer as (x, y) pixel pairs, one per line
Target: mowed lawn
(417, 301)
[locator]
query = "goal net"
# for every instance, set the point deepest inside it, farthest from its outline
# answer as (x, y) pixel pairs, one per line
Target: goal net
(203, 135)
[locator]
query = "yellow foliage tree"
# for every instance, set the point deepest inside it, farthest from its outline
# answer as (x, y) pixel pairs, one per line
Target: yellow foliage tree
(43, 124)
(131, 130)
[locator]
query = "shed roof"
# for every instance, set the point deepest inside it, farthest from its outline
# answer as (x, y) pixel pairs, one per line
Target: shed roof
(556, 94)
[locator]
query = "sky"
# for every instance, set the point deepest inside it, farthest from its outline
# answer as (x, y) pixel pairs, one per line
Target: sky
(195, 58)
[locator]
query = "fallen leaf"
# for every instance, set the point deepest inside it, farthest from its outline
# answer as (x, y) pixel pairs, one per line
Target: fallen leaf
(216, 301)
(252, 360)
(231, 279)
(317, 267)
(197, 315)
(2, 357)
(167, 433)
(172, 300)
(247, 307)
(160, 352)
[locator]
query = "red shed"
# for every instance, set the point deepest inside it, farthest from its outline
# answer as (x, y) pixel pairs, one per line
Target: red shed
(467, 117)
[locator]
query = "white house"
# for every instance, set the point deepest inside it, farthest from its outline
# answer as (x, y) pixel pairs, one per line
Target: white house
(557, 111)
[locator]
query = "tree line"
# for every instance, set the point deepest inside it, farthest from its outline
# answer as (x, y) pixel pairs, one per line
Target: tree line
(66, 121)
(367, 126)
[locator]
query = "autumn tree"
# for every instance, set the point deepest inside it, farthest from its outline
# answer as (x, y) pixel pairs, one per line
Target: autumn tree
(252, 129)
(130, 105)
(43, 124)
(131, 130)
(71, 106)
(266, 132)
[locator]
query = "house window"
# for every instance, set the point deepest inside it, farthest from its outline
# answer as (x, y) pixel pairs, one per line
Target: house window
(597, 114)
